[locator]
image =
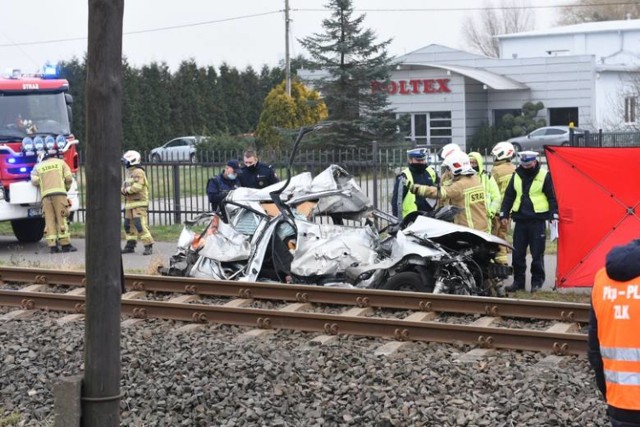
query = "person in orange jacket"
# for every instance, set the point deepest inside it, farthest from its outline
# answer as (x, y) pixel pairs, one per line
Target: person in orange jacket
(613, 338)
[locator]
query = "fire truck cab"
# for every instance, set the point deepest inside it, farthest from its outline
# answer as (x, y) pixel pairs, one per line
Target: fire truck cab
(34, 110)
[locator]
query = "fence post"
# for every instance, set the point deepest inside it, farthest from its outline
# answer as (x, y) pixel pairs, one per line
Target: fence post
(374, 156)
(176, 195)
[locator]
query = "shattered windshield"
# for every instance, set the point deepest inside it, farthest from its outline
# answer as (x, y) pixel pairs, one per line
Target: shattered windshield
(33, 113)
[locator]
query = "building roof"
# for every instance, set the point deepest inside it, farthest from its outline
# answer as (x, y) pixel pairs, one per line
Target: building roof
(587, 27)
(492, 80)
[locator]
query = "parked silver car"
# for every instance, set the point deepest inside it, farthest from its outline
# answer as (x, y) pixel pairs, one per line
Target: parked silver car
(548, 135)
(182, 149)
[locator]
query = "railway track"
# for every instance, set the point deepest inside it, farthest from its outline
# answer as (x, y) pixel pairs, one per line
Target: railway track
(403, 316)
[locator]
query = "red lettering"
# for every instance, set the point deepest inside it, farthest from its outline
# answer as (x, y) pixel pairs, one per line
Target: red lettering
(376, 86)
(403, 88)
(408, 87)
(415, 85)
(392, 88)
(427, 86)
(443, 85)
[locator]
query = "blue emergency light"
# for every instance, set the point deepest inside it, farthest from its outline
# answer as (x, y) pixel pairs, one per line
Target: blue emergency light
(50, 71)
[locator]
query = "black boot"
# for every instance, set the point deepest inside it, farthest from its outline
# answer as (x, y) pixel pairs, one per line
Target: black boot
(129, 248)
(148, 249)
(69, 248)
(54, 249)
(514, 287)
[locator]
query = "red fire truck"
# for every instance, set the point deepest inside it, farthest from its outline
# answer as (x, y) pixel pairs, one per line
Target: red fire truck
(33, 109)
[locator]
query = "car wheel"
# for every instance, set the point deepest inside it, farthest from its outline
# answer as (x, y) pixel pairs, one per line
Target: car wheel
(517, 147)
(192, 158)
(566, 144)
(155, 158)
(406, 281)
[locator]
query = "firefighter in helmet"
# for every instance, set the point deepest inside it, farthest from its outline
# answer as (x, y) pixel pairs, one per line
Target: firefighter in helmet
(53, 177)
(135, 190)
(465, 191)
(502, 171)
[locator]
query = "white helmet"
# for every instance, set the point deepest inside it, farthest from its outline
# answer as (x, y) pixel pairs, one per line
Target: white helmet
(449, 149)
(503, 150)
(458, 162)
(131, 158)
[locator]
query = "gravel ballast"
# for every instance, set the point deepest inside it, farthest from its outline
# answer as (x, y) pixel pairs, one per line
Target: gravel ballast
(212, 378)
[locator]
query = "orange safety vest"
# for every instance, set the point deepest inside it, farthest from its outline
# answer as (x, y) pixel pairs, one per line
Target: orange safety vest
(617, 309)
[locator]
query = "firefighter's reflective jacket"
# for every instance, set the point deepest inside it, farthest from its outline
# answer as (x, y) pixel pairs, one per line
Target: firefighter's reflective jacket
(135, 188)
(53, 176)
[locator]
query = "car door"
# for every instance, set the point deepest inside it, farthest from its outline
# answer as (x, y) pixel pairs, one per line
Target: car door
(556, 136)
(535, 140)
(169, 151)
(180, 150)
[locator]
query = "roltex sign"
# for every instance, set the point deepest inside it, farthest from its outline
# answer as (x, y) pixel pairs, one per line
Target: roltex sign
(411, 87)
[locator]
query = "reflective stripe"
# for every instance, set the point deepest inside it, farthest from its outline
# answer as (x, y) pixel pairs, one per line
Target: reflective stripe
(622, 378)
(536, 195)
(624, 354)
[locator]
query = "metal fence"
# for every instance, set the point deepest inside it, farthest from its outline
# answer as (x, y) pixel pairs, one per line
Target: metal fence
(178, 188)
(605, 139)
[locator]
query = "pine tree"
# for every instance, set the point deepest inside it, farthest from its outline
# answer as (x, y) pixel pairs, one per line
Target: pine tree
(353, 60)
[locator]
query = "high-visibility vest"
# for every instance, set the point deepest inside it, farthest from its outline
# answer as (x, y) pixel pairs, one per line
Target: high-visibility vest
(617, 309)
(409, 201)
(538, 198)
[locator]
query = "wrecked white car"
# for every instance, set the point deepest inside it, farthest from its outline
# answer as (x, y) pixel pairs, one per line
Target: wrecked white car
(292, 232)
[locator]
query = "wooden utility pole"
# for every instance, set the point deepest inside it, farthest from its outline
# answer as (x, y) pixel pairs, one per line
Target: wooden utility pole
(102, 365)
(287, 59)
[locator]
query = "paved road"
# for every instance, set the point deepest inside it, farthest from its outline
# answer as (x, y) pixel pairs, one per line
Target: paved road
(17, 254)
(37, 255)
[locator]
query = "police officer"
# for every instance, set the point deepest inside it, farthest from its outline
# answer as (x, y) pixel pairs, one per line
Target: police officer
(219, 186)
(135, 190)
(255, 174)
(529, 199)
(464, 191)
(53, 177)
(614, 341)
(404, 201)
(502, 171)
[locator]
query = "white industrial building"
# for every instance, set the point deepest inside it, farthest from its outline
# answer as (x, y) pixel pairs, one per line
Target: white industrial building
(588, 74)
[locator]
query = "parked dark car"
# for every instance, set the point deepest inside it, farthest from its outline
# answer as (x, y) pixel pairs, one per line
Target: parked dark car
(548, 135)
(181, 149)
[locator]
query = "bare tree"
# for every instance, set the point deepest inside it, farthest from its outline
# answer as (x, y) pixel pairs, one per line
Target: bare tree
(598, 10)
(511, 16)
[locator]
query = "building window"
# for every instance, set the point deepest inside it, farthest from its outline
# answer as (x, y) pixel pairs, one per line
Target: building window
(630, 109)
(498, 115)
(430, 128)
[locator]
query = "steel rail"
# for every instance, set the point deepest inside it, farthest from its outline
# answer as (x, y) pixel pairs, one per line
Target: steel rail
(404, 330)
(419, 301)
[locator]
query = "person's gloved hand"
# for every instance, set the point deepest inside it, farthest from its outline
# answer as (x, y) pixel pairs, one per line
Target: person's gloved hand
(124, 191)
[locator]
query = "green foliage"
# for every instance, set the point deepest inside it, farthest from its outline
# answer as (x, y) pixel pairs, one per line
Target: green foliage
(159, 105)
(511, 126)
(353, 60)
(223, 146)
(282, 112)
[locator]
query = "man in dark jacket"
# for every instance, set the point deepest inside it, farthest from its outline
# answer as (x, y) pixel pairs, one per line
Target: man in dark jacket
(403, 201)
(530, 201)
(255, 174)
(220, 185)
(614, 342)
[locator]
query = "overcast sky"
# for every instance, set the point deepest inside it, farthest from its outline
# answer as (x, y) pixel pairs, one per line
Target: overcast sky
(238, 32)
